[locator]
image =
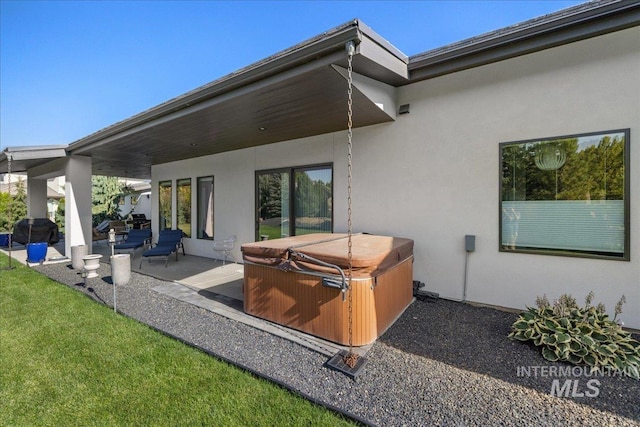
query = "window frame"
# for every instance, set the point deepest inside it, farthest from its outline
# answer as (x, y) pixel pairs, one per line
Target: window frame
(182, 182)
(199, 180)
(162, 184)
(291, 196)
(572, 252)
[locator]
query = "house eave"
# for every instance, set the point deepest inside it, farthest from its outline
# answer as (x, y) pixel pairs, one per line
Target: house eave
(21, 159)
(309, 51)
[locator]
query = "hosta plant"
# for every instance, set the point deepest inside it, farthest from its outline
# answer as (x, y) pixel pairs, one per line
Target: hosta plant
(580, 335)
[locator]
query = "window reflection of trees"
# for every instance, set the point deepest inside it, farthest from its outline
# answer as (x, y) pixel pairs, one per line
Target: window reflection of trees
(591, 172)
(183, 208)
(565, 194)
(164, 200)
(304, 194)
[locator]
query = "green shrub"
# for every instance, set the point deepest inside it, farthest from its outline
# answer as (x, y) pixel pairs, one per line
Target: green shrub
(579, 335)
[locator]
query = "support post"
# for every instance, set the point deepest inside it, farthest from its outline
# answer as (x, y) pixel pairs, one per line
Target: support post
(77, 214)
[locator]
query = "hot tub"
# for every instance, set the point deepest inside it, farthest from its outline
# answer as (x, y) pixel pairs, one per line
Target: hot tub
(290, 281)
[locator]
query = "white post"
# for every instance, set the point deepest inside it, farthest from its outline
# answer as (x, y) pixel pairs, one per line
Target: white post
(120, 273)
(77, 212)
(37, 198)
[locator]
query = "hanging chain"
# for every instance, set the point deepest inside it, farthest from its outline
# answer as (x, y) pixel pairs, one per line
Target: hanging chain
(351, 358)
(10, 224)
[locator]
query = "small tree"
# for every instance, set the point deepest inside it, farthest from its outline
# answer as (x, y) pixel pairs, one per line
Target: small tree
(19, 207)
(105, 195)
(13, 208)
(60, 215)
(5, 212)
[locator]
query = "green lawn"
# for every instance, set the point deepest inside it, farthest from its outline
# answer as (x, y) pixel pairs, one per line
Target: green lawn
(66, 360)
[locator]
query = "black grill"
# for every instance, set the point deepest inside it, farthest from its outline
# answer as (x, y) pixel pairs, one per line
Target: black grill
(42, 230)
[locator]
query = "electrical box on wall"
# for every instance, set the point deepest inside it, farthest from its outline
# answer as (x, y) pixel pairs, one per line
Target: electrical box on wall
(470, 243)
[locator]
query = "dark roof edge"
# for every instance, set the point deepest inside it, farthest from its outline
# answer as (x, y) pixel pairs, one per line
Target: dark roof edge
(307, 51)
(568, 25)
(384, 43)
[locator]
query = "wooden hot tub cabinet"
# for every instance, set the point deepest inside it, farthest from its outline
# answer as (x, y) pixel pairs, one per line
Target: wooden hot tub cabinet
(283, 288)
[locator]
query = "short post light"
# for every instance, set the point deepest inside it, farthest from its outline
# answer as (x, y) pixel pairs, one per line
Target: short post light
(112, 242)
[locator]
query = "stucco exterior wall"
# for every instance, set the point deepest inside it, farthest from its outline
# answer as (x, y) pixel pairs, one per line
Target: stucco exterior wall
(443, 168)
(433, 175)
(234, 182)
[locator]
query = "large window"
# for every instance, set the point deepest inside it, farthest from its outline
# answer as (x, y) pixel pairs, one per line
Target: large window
(164, 200)
(183, 207)
(294, 201)
(205, 208)
(566, 195)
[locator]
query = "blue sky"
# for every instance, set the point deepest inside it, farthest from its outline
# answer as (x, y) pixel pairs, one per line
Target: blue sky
(68, 69)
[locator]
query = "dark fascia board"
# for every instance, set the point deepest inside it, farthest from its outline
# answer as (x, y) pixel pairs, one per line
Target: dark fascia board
(573, 24)
(382, 42)
(303, 53)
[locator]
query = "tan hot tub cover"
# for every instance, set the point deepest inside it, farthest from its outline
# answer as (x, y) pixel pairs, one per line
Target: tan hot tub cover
(282, 286)
(371, 254)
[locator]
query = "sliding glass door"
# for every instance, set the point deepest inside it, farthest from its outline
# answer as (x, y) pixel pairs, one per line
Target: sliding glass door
(273, 204)
(313, 200)
(294, 201)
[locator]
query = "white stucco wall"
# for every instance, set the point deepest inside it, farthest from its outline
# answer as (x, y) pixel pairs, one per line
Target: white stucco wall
(445, 154)
(136, 204)
(433, 174)
(234, 180)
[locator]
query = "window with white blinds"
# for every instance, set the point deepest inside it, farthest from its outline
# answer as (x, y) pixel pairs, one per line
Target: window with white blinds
(566, 195)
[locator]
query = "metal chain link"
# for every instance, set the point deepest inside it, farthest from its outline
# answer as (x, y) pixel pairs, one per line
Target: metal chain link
(351, 358)
(10, 224)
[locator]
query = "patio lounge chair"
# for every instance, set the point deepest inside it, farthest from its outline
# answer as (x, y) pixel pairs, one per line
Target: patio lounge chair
(103, 227)
(169, 241)
(136, 239)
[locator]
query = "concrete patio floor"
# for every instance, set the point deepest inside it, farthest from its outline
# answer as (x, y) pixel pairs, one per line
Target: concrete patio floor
(203, 282)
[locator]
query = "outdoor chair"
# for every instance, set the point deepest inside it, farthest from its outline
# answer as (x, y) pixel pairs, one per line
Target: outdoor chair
(103, 227)
(119, 227)
(136, 239)
(97, 235)
(225, 248)
(169, 241)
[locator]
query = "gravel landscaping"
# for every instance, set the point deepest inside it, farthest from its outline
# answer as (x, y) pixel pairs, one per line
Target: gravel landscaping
(442, 363)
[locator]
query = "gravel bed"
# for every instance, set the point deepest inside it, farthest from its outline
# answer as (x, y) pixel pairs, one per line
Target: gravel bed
(442, 363)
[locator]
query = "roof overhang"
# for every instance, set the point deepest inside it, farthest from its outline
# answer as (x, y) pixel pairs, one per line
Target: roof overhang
(297, 93)
(21, 159)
